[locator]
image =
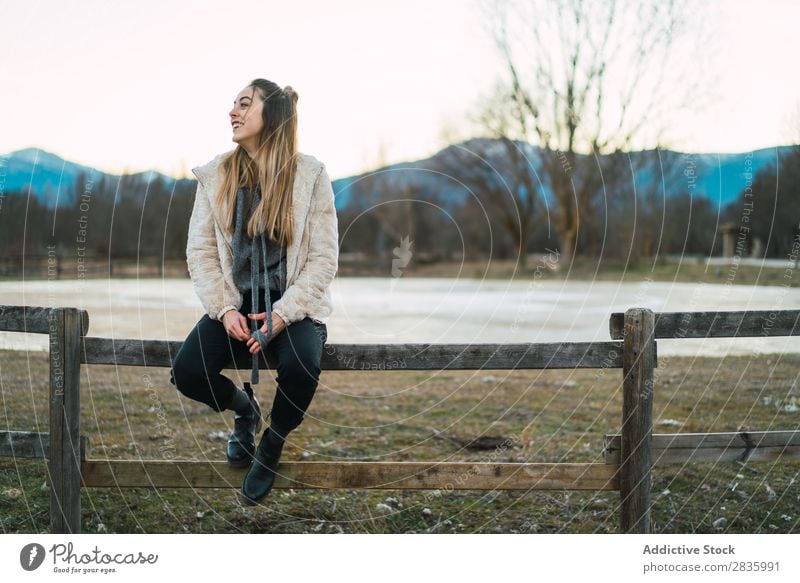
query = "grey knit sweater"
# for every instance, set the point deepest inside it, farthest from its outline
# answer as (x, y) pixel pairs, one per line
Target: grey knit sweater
(249, 257)
(242, 249)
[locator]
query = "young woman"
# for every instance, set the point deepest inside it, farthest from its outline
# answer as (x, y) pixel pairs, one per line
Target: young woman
(262, 250)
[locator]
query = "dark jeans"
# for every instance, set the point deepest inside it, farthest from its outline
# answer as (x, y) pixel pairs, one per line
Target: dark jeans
(208, 349)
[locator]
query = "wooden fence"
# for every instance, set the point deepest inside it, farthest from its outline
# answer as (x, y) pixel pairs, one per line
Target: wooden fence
(628, 456)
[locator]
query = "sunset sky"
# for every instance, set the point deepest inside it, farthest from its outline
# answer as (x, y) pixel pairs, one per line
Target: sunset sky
(148, 84)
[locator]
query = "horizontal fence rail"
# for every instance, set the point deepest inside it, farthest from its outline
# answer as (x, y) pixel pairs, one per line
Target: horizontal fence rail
(34, 319)
(349, 475)
(386, 356)
(740, 446)
(108, 473)
(718, 324)
(31, 444)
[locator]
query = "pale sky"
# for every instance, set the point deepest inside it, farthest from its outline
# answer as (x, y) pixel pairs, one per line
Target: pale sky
(146, 84)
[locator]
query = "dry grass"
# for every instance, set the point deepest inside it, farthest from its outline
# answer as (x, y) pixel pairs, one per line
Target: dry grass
(585, 269)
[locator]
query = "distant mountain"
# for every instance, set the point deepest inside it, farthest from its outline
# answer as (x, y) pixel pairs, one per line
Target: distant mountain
(719, 177)
(51, 179)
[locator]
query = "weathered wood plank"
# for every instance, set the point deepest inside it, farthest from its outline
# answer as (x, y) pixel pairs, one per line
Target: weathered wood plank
(31, 444)
(386, 356)
(720, 439)
(356, 475)
(740, 324)
(663, 457)
(64, 449)
(714, 447)
(637, 421)
(33, 319)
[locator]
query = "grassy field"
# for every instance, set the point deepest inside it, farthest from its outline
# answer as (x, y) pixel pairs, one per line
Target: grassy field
(582, 269)
(587, 269)
(420, 415)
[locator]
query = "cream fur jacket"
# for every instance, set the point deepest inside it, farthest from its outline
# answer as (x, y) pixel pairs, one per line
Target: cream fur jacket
(312, 258)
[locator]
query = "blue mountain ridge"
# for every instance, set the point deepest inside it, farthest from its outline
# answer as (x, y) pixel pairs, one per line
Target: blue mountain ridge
(719, 177)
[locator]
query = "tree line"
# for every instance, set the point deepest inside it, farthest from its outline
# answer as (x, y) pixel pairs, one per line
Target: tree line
(501, 211)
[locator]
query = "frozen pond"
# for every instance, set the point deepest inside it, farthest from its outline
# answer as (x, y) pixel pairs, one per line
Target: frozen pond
(389, 310)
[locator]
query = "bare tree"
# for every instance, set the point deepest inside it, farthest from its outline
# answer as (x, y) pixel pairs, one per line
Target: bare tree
(499, 178)
(600, 79)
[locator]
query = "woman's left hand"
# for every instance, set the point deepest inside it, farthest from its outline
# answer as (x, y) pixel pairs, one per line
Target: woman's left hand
(277, 327)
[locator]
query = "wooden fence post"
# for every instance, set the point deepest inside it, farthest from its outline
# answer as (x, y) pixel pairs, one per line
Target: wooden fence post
(64, 455)
(638, 361)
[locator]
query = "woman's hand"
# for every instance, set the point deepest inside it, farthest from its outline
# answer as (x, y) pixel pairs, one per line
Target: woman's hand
(277, 327)
(236, 325)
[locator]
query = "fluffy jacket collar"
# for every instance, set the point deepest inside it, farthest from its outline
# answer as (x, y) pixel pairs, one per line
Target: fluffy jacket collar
(308, 168)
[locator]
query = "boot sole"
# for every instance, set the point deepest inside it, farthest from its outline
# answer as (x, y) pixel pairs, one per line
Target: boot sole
(248, 501)
(251, 501)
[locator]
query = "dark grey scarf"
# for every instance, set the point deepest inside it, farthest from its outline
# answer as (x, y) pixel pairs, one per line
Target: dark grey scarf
(257, 333)
(260, 241)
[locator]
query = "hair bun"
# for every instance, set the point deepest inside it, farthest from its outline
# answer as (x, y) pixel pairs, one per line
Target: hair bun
(289, 90)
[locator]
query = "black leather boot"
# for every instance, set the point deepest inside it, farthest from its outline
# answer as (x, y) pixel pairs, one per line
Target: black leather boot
(261, 476)
(241, 443)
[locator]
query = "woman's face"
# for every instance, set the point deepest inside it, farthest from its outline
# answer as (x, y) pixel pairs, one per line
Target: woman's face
(246, 121)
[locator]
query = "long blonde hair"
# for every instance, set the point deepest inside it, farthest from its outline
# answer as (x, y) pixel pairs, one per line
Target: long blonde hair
(273, 168)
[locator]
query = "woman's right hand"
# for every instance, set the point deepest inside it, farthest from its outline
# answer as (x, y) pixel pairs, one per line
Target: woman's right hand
(236, 325)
